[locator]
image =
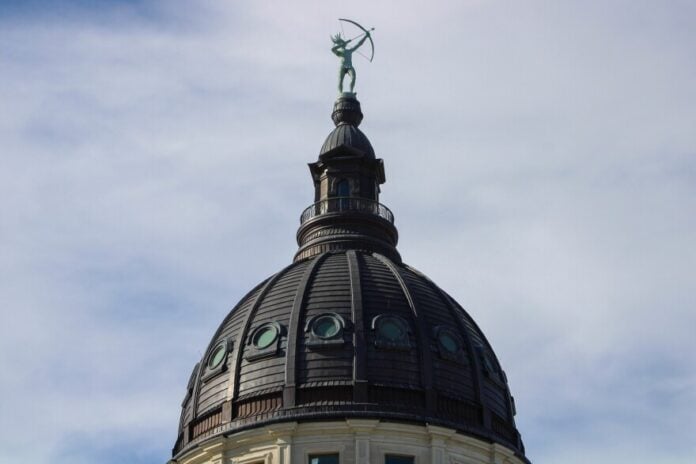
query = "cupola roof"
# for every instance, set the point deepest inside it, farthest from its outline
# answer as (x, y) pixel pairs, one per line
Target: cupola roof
(347, 116)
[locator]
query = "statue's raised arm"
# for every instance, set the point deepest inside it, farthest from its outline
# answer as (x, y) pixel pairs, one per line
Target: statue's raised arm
(362, 41)
(341, 49)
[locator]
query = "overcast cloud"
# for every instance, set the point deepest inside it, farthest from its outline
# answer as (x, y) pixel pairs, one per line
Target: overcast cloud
(541, 164)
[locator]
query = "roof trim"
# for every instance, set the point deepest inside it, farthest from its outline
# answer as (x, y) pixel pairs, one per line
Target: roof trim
(467, 337)
(360, 380)
(290, 389)
(421, 335)
(238, 348)
(213, 342)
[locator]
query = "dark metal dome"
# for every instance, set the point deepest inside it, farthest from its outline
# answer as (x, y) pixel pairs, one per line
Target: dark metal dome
(347, 117)
(345, 135)
(348, 334)
(348, 330)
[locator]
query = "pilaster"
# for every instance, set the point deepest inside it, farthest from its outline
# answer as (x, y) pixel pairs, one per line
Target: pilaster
(362, 428)
(438, 443)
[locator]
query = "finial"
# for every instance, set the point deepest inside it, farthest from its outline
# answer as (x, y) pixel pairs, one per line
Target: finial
(345, 53)
(347, 110)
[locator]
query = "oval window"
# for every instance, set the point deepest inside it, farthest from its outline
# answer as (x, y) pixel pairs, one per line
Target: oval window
(391, 330)
(265, 337)
(488, 364)
(217, 356)
(326, 327)
(448, 342)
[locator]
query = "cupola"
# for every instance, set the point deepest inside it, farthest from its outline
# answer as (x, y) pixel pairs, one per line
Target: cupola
(346, 213)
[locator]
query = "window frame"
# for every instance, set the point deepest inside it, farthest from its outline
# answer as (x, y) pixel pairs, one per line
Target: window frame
(398, 455)
(318, 454)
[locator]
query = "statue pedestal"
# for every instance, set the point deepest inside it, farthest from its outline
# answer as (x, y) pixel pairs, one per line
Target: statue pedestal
(347, 110)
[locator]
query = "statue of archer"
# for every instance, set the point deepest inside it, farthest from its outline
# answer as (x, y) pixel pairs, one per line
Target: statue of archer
(341, 50)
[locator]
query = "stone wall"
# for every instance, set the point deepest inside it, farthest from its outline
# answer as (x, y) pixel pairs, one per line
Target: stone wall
(355, 440)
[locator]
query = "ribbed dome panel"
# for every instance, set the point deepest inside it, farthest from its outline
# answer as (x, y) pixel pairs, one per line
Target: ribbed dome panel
(329, 292)
(268, 373)
(451, 378)
(383, 294)
(346, 135)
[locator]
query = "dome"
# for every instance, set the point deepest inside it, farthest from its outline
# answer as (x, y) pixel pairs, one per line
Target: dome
(348, 136)
(348, 334)
(347, 117)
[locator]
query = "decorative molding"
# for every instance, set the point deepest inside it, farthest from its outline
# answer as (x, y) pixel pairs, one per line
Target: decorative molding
(363, 441)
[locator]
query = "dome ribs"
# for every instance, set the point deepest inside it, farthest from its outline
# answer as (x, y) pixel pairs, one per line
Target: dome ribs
(294, 332)
(421, 335)
(321, 366)
(497, 393)
(355, 375)
(196, 394)
(241, 339)
(382, 294)
(259, 370)
(360, 380)
(464, 330)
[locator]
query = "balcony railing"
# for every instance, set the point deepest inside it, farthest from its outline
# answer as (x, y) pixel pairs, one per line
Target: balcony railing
(339, 204)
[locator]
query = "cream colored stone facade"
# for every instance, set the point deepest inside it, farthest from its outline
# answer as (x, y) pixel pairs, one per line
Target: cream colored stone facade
(357, 441)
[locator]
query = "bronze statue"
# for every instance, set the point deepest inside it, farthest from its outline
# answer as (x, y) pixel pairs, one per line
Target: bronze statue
(341, 50)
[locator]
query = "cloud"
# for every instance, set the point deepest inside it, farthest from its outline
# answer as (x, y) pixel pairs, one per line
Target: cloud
(540, 164)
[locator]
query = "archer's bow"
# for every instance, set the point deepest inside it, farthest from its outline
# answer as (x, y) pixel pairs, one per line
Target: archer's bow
(367, 33)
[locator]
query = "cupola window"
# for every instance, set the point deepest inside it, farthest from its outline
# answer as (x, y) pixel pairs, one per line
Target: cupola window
(343, 188)
(325, 327)
(490, 366)
(265, 337)
(217, 356)
(449, 344)
(391, 332)
(264, 341)
(325, 330)
(215, 363)
(343, 192)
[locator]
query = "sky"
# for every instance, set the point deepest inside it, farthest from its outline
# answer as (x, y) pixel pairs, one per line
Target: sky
(540, 161)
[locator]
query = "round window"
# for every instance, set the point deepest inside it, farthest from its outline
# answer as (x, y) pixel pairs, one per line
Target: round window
(326, 327)
(448, 342)
(391, 330)
(265, 337)
(217, 356)
(488, 364)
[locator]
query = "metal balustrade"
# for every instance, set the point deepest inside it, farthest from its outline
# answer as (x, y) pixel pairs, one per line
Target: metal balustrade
(340, 204)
